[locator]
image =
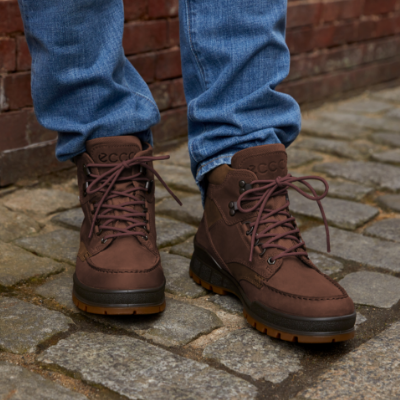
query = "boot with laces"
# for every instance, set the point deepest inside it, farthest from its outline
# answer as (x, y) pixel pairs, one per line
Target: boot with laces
(248, 244)
(118, 268)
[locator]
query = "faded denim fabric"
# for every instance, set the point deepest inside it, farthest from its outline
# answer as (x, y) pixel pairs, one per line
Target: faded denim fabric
(233, 56)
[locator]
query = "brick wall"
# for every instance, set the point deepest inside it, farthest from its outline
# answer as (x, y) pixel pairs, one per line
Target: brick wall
(336, 46)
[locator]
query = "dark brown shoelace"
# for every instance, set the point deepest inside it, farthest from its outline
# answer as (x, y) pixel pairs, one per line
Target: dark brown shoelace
(260, 194)
(105, 183)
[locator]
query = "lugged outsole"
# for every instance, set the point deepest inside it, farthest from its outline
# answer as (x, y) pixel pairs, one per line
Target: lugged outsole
(277, 334)
(137, 310)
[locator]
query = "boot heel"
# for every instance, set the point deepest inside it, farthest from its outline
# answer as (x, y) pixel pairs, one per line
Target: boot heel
(205, 272)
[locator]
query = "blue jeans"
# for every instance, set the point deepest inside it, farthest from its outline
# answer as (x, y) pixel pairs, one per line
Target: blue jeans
(233, 56)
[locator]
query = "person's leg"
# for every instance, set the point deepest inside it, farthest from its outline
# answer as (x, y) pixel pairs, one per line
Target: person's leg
(233, 56)
(83, 86)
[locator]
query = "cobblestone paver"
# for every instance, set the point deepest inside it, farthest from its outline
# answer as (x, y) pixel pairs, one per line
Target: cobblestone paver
(200, 347)
(18, 383)
(23, 325)
(139, 370)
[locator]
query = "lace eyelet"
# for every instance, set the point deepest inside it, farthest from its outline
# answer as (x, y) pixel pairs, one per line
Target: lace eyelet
(103, 240)
(145, 237)
(262, 253)
(249, 232)
(242, 184)
(270, 262)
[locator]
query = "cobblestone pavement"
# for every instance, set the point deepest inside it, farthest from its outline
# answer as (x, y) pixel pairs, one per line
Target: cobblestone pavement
(201, 347)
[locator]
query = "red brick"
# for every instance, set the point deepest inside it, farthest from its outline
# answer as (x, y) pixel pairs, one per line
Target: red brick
(173, 32)
(327, 85)
(37, 133)
(168, 64)
(143, 36)
(13, 130)
(10, 20)
(33, 160)
(24, 59)
(177, 93)
(135, 9)
(341, 9)
(7, 54)
(300, 40)
(366, 30)
(379, 6)
(173, 125)
(145, 64)
(303, 13)
(17, 90)
(163, 8)
(162, 94)
(344, 57)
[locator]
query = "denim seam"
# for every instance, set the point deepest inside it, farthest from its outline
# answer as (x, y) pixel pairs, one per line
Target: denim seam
(192, 46)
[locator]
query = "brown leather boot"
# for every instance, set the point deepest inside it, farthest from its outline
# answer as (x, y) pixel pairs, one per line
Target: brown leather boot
(248, 244)
(118, 268)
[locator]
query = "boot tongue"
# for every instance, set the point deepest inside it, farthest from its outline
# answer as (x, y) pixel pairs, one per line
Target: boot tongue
(113, 150)
(267, 162)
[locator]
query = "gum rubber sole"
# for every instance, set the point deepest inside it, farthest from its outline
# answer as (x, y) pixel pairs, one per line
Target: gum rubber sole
(275, 333)
(135, 310)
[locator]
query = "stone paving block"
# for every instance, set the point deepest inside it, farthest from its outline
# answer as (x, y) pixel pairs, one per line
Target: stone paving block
(229, 303)
(394, 113)
(392, 95)
(179, 157)
(390, 139)
(388, 229)
(341, 190)
(372, 288)
(326, 265)
(17, 383)
(176, 270)
(18, 265)
(390, 157)
(298, 157)
(364, 106)
(190, 212)
(59, 288)
(390, 202)
(71, 219)
(335, 147)
(178, 325)
(23, 326)
(170, 232)
(40, 201)
(250, 352)
(340, 213)
(328, 129)
(184, 249)
(60, 245)
(14, 225)
(355, 247)
(369, 372)
(180, 178)
(361, 121)
(367, 173)
(161, 193)
(139, 370)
